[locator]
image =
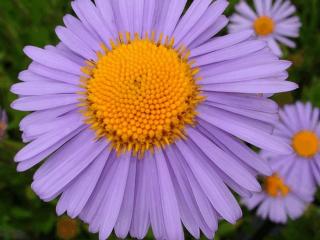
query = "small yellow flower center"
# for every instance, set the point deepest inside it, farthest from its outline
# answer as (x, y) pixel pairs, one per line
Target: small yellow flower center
(305, 143)
(263, 26)
(141, 94)
(275, 186)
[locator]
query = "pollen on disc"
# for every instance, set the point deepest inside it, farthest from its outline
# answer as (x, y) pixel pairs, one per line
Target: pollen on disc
(306, 144)
(264, 26)
(275, 186)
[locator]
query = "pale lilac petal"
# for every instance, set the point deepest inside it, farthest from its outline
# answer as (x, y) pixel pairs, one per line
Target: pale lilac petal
(250, 73)
(219, 195)
(25, 164)
(208, 216)
(173, 15)
(123, 223)
(46, 141)
(233, 52)
(45, 115)
(285, 41)
(169, 201)
(126, 15)
(64, 51)
(300, 177)
(223, 161)
(190, 18)
(220, 43)
(274, 47)
(140, 221)
(75, 43)
(264, 208)
(243, 101)
(138, 16)
(94, 19)
(193, 219)
(52, 60)
(77, 195)
(114, 196)
(77, 27)
(36, 103)
(207, 19)
(156, 214)
(294, 206)
(245, 131)
(258, 87)
(254, 201)
(267, 7)
(245, 10)
(43, 88)
(243, 152)
(148, 16)
(259, 6)
(161, 14)
(53, 74)
(93, 211)
(211, 31)
(66, 170)
(264, 117)
(51, 125)
(107, 14)
(277, 211)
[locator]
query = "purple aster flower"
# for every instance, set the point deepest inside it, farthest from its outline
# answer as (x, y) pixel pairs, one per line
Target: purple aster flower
(138, 112)
(300, 127)
(3, 123)
(272, 22)
(279, 200)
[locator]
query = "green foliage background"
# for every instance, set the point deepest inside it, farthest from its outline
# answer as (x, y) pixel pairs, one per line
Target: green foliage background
(32, 22)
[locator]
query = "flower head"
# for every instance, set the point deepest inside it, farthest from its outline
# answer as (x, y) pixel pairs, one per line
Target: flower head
(279, 200)
(141, 94)
(138, 112)
(3, 123)
(272, 22)
(299, 125)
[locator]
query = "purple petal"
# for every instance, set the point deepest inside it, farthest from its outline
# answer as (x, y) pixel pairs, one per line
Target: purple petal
(52, 60)
(169, 201)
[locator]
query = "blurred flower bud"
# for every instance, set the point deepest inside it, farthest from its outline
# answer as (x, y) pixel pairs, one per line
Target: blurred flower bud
(67, 228)
(3, 123)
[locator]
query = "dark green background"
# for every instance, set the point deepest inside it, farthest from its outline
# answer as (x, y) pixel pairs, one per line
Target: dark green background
(32, 22)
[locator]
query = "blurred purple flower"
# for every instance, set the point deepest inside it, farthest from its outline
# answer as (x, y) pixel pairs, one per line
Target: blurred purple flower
(279, 200)
(300, 126)
(272, 22)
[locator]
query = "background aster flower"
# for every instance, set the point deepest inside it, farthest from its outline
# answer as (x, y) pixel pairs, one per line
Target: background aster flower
(138, 112)
(273, 22)
(279, 201)
(301, 127)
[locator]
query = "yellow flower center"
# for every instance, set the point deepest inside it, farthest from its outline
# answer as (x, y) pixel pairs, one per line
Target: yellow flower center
(263, 26)
(275, 186)
(141, 94)
(305, 143)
